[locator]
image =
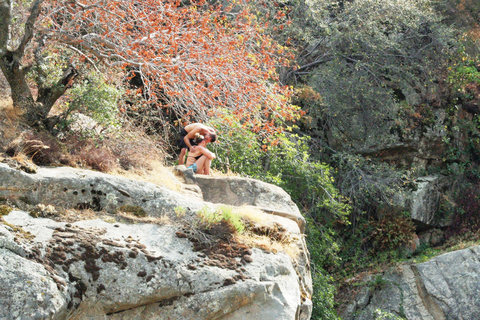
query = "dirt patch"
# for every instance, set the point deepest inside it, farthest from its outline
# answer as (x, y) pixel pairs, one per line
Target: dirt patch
(219, 248)
(275, 231)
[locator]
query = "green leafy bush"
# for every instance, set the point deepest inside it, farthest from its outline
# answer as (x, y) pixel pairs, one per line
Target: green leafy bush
(323, 296)
(287, 163)
(95, 98)
(223, 214)
(463, 72)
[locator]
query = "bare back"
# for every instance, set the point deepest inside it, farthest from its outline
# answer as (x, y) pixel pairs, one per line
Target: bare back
(202, 129)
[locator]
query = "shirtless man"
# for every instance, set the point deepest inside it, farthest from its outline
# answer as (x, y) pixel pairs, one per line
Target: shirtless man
(188, 134)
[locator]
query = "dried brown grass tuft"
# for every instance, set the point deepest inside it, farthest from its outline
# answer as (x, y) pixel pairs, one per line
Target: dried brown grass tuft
(10, 126)
(132, 218)
(156, 173)
(9, 112)
(265, 233)
(74, 215)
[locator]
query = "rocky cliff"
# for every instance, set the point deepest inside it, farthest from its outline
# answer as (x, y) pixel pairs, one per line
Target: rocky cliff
(78, 244)
(445, 287)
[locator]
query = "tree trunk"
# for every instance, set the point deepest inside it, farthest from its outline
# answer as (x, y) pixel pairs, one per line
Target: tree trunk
(47, 96)
(11, 66)
(21, 96)
(34, 112)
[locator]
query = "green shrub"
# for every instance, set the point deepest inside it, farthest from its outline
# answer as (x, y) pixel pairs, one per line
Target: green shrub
(285, 163)
(323, 296)
(223, 214)
(95, 98)
(5, 210)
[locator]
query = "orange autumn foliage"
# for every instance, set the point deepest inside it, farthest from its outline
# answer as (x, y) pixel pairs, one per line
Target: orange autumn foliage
(195, 59)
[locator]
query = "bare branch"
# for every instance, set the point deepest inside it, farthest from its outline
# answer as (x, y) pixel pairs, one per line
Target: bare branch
(104, 58)
(98, 39)
(5, 17)
(85, 56)
(29, 26)
(85, 7)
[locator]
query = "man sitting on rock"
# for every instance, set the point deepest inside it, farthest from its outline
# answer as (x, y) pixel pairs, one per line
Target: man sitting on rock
(187, 136)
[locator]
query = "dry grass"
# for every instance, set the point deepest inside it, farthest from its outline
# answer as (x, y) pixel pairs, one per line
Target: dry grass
(131, 218)
(268, 244)
(10, 126)
(264, 233)
(9, 113)
(255, 215)
(218, 173)
(74, 215)
(156, 173)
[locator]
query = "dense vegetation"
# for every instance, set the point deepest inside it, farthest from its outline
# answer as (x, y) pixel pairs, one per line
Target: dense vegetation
(328, 99)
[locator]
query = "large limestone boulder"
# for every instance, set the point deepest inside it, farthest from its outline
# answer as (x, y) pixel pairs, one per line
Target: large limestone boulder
(424, 201)
(67, 187)
(446, 287)
(240, 191)
(107, 268)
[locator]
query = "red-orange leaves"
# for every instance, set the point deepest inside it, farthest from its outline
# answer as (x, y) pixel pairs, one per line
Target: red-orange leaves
(199, 59)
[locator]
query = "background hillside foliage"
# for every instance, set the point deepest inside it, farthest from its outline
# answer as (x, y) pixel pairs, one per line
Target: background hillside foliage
(295, 88)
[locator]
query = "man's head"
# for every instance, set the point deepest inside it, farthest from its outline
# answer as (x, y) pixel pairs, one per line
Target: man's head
(211, 137)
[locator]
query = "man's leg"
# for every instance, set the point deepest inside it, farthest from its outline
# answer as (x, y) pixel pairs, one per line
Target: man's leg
(181, 158)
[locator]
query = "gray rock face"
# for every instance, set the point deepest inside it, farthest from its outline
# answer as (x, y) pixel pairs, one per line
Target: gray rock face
(67, 187)
(446, 287)
(28, 290)
(93, 269)
(389, 140)
(423, 203)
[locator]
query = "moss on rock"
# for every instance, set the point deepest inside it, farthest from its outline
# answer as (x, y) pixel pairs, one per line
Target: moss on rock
(135, 210)
(4, 210)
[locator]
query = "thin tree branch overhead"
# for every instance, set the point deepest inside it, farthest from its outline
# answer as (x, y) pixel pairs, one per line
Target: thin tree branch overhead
(29, 27)
(5, 17)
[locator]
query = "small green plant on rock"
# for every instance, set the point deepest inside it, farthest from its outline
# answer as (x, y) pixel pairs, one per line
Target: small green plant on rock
(180, 211)
(5, 210)
(384, 315)
(378, 283)
(137, 211)
(223, 214)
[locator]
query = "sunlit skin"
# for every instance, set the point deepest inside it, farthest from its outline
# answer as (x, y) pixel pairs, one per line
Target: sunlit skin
(206, 157)
(192, 130)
